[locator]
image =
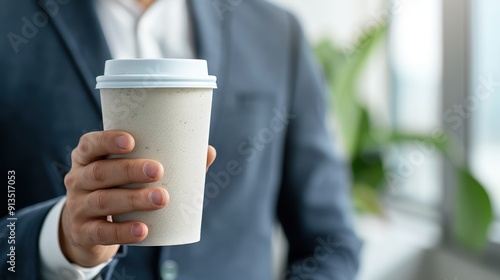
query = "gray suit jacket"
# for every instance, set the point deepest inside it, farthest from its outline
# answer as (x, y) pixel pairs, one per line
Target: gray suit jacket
(275, 159)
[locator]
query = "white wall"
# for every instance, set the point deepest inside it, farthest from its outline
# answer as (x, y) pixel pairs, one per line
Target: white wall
(337, 19)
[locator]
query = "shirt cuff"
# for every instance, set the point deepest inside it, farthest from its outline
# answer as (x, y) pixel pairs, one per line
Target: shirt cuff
(54, 265)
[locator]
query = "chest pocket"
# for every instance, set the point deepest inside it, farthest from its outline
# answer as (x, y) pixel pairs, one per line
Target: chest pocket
(249, 112)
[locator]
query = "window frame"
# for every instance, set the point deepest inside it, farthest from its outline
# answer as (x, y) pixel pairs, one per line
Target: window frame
(456, 87)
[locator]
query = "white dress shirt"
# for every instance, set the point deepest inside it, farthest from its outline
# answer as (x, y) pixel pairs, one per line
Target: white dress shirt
(162, 31)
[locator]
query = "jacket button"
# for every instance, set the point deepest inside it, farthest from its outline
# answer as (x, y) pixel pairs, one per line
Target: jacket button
(169, 270)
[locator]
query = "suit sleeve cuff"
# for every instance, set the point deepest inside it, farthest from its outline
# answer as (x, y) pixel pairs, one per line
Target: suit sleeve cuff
(54, 264)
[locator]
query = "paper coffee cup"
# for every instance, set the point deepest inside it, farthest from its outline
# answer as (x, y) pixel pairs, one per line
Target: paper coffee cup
(165, 104)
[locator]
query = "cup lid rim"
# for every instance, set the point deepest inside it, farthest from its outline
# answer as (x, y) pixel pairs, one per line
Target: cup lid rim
(156, 73)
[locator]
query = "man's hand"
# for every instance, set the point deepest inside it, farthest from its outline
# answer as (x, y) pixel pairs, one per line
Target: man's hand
(87, 238)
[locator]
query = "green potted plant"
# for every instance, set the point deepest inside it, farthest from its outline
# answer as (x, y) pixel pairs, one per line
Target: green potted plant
(365, 142)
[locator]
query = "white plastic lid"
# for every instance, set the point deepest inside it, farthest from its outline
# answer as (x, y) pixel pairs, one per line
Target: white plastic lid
(156, 73)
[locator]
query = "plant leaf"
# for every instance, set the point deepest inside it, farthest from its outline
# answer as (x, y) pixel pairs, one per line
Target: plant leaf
(366, 200)
(343, 67)
(442, 144)
(473, 213)
(346, 105)
(368, 169)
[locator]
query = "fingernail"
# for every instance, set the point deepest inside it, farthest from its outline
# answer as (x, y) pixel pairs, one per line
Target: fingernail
(137, 230)
(122, 142)
(152, 170)
(156, 197)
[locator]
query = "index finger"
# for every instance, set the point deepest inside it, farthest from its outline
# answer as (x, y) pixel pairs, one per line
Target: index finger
(95, 145)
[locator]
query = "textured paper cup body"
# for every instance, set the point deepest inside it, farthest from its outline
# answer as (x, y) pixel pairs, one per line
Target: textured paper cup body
(170, 125)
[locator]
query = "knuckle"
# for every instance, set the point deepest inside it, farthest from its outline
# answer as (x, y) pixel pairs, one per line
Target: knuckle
(134, 199)
(70, 204)
(97, 171)
(98, 233)
(104, 139)
(101, 201)
(69, 180)
(84, 144)
(72, 207)
(74, 155)
(129, 169)
(116, 235)
(76, 212)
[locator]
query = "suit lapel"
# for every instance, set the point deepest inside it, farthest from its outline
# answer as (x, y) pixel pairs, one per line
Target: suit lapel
(208, 31)
(79, 29)
(211, 35)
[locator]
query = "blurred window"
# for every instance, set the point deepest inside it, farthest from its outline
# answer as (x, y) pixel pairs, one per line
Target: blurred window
(485, 123)
(415, 44)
